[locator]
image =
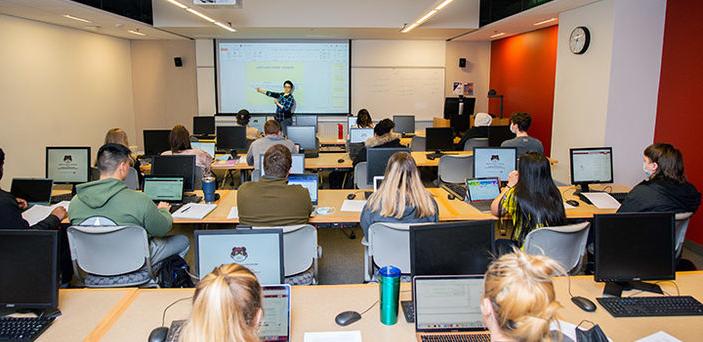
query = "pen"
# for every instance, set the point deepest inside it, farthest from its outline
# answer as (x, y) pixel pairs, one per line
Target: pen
(184, 210)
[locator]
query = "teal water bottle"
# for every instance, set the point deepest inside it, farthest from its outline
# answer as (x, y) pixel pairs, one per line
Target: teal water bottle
(389, 290)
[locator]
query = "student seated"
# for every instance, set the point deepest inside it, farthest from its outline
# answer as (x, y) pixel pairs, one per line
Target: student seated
(519, 303)
(401, 198)
(531, 198)
(179, 140)
(109, 197)
(480, 129)
(383, 136)
(119, 136)
(243, 118)
(519, 124)
(665, 188)
(363, 119)
(227, 306)
(11, 210)
(271, 201)
(273, 136)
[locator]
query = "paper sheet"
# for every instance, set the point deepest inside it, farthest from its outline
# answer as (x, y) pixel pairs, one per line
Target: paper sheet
(602, 200)
(233, 213)
(37, 212)
(568, 206)
(353, 205)
(194, 211)
(333, 336)
(659, 336)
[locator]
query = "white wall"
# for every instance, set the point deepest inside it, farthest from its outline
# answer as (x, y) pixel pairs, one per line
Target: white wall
(477, 70)
(59, 86)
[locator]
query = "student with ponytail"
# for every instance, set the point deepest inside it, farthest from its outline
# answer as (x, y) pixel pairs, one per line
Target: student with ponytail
(227, 307)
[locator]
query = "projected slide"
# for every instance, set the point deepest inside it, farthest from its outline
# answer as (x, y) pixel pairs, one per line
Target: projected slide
(318, 69)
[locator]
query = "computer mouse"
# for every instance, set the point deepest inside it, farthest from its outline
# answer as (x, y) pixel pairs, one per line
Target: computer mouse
(347, 317)
(340, 160)
(430, 157)
(451, 197)
(584, 303)
(351, 196)
(158, 335)
(574, 203)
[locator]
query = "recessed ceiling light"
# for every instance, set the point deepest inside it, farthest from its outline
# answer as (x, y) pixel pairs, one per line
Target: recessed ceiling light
(427, 16)
(76, 18)
(545, 21)
(136, 32)
(498, 35)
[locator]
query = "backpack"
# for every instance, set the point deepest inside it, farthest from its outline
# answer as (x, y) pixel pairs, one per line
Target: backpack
(174, 273)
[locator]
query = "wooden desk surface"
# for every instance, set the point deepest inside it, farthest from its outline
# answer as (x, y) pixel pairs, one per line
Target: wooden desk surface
(313, 309)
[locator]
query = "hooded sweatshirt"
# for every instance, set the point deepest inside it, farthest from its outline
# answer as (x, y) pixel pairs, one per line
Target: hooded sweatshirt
(112, 199)
(662, 195)
(390, 139)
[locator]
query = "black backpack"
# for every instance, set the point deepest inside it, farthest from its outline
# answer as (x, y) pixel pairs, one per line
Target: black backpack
(174, 273)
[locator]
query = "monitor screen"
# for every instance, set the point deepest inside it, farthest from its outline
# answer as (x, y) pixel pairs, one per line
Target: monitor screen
(258, 122)
(203, 125)
(232, 138)
(297, 167)
(32, 190)
(275, 325)
(490, 162)
(454, 106)
(306, 120)
(260, 250)
(404, 123)
(351, 123)
(303, 136)
(359, 135)
(451, 248)
(156, 141)
(377, 159)
(68, 164)
(591, 165)
(498, 134)
(179, 166)
(28, 260)
(634, 246)
(439, 139)
(377, 180)
(207, 147)
(448, 303)
(483, 189)
(168, 189)
(307, 181)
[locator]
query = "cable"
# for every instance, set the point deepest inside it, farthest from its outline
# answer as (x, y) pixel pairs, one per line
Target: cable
(568, 277)
(163, 315)
(567, 189)
(678, 292)
(369, 308)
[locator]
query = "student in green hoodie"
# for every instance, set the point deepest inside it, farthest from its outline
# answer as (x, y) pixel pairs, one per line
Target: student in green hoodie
(109, 197)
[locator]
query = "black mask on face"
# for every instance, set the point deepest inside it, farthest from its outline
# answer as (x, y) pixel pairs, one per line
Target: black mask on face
(595, 334)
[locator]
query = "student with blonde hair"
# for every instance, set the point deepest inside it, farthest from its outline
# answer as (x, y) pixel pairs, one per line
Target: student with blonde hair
(227, 307)
(401, 198)
(519, 303)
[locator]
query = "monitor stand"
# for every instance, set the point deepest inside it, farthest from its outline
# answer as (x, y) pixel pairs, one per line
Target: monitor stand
(615, 289)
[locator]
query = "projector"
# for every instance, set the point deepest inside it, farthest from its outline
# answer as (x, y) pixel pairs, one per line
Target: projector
(237, 3)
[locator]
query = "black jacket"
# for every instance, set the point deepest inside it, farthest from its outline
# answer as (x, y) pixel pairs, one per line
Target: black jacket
(11, 215)
(387, 140)
(661, 195)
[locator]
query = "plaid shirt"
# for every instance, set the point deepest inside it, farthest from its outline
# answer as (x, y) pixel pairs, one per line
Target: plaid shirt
(286, 101)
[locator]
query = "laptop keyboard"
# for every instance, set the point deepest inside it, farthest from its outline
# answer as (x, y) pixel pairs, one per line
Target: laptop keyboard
(22, 328)
(456, 338)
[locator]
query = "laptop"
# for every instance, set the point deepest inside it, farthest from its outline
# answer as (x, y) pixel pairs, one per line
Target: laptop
(207, 147)
(481, 192)
(32, 190)
(165, 189)
(308, 181)
(275, 325)
(377, 180)
(297, 164)
(448, 308)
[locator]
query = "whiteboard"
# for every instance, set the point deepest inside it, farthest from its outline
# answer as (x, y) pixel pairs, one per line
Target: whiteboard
(386, 91)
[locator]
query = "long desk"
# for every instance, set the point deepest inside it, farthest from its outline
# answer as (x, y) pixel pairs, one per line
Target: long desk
(313, 309)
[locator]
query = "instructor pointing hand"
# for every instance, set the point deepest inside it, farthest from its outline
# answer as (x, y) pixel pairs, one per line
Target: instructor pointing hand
(284, 103)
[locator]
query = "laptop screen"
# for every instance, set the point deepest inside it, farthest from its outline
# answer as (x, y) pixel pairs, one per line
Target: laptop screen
(168, 189)
(275, 325)
(32, 190)
(297, 166)
(359, 135)
(448, 303)
(207, 147)
(307, 181)
(483, 189)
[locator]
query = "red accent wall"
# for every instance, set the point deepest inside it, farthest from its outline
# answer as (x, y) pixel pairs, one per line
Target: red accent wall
(523, 69)
(679, 109)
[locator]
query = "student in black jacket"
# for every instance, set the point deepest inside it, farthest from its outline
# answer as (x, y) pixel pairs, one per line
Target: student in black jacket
(11, 210)
(383, 136)
(666, 188)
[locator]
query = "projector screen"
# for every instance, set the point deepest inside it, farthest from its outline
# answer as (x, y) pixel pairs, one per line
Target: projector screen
(319, 69)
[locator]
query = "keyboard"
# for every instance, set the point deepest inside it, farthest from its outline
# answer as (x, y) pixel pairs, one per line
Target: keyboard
(619, 196)
(458, 190)
(61, 198)
(408, 310)
(652, 306)
(456, 338)
(22, 328)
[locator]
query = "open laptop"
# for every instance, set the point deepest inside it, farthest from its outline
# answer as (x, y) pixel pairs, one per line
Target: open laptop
(32, 190)
(448, 308)
(165, 189)
(297, 164)
(207, 147)
(377, 180)
(481, 192)
(275, 326)
(307, 181)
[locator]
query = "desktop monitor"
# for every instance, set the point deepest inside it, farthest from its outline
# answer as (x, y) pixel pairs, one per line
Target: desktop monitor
(156, 141)
(232, 138)
(308, 181)
(377, 159)
(297, 166)
(457, 248)
(631, 247)
(404, 124)
(359, 135)
(68, 165)
(439, 139)
(490, 162)
(260, 250)
(176, 166)
(351, 123)
(207, 147)
(591, 166)
(203, 125)
(258, 122)
(498, 134)
(32, 190)
(306, 120)
(458, 111)
(304, 136)
(167, 189)
(29, 264)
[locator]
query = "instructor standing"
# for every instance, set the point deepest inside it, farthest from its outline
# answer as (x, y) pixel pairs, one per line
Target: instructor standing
(284, 103)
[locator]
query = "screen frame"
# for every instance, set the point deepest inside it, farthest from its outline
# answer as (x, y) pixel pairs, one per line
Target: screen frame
(443, 277)
(473, 165)
(355, 129)
(205, 117)
(468, 192)
(307, 177)
(192, 179)
(144, 134)
(21, 180)
(435, 134)
(46, 162)
(150, 177)
(278, 287)
(571, 164)
(218, 98)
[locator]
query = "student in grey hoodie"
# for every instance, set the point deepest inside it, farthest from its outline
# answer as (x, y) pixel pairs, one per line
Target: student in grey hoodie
(273, 136)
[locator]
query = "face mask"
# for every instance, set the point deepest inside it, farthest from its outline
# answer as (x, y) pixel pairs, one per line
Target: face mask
(513, 130)
(647, 172)
(595, 334)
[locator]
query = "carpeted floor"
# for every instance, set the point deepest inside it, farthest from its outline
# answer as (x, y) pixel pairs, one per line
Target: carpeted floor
(342, 258)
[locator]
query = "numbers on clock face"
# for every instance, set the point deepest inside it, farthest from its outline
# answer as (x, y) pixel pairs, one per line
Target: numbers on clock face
(579, 40)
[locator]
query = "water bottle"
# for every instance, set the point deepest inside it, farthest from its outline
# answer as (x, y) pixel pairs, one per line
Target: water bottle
(389, 291)
(340, 131)
(209, 186)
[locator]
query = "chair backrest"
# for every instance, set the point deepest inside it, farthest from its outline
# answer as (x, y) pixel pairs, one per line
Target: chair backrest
(455, 168)
(389, 244)
(417, 143)
(299, 247)
(475, 142)
(198, 179)
(132, 180)
(682, 220)
(109, 250)
(360, 179)
(565, 244)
